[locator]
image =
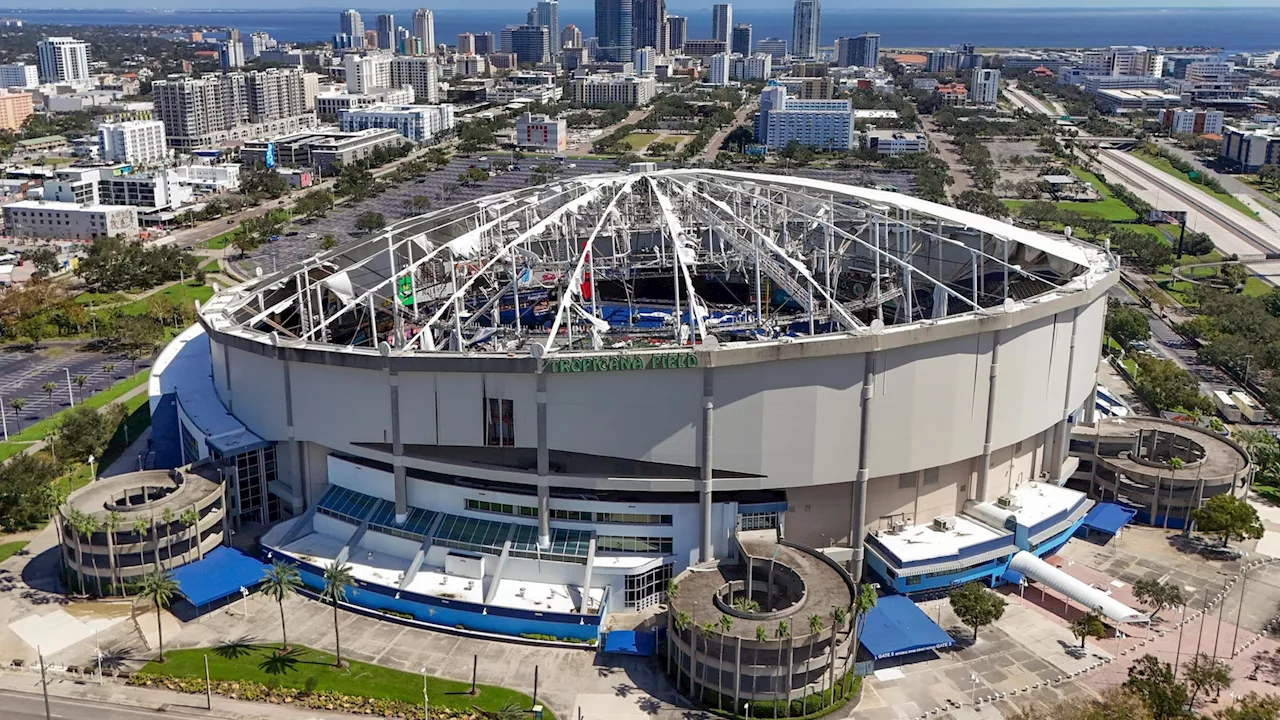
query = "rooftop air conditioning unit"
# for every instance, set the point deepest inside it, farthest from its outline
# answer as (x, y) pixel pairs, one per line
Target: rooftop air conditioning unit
(898, 526)
(1005, 501)
(944, 523)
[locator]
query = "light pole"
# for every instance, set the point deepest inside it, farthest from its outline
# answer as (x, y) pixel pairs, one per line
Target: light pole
(1244, 582)
(1247, 360)
(4, 420)
(746, 709)
(93, 471)
(426, 709)
(71, 399)
(44, 686)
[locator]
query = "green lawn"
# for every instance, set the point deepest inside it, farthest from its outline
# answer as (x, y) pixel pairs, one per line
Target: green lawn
(96, 298)
(1255, 286)
(260, 664)
(8, 549)
(639, 141)
(1093, 180)
(218, 242)
(1164, 165)
(1151, 230)
(212, 266)
(1109, 209)
(35, 431)
(183, 294)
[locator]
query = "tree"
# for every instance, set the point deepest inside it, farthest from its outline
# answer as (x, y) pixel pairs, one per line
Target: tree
(838, 616)
(982, 203)
(1156, 684)
(1228, 517)
(1127, 325)
(705, 631)
(417, 204)
(18, 404)
(1165, 385)
(45, 260)
(1197, 243)
(976, 606)
(1158, 595)
(815, 627)
(24, 502)
(863, 603)
(49, 389)
(1251, 707)
(472, 176)
(1205, 674)
(1038, 212)
(370, 220)
(782, 631)
(682, 621)
(260, 181)
(139, 528)
(1087, 626)
(328, 242)
(109, 525)
(160, 588)
(315, 203)
(80, 380)
(739, 138)
(85, 431)
(1115, 704)
(280, 581)
(1234, 275)
(115, 263)
(337, 580)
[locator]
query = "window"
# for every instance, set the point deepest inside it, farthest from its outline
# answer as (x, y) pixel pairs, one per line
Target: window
(633, 518)
(622, 544)
(493, 507)
(932, 475)
(499, 422)
(913, 580)
(647, 588)
(907, 481)
(758, 521)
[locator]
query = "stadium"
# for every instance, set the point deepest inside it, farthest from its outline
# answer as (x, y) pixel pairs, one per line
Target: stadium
(520, 413)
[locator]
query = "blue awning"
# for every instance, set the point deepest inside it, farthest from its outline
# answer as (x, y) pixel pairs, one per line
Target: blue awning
(221, 573)
(629, 642)
(896, 626)
(1013, 577)
(1108, 517)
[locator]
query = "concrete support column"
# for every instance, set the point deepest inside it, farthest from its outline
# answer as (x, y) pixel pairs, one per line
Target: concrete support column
(544, 467)
(1155, 502)
(397, 450)
(984, 465)
(706, 547)
(1091, 405)
(858, 524)
(298, 483)
(1061, 439)
(737, 675)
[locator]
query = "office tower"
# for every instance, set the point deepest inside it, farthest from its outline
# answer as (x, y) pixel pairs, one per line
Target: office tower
(424, 28)
(721, 21)
(531, 43)
(466, 43)
(63, 60)
(645, 59)
(19, 76)
(255, 44)
(774, 47)
(486, 43)
(646, 23)
(387, 31)
(866, 50)
(531, 17)
(740, 40)
(677, 32)
(571, 37)
(986, 87)
(353, 27)
(548, 15)
(231, 55)
(806, 17)
(504, 38)
(403, 38)
(613, 30)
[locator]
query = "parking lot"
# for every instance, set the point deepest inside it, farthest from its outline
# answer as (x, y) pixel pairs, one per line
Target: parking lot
(443, 188)
(23, 374)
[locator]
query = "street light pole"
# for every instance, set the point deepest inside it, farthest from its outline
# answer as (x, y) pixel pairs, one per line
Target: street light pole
(4, 420)
(1244, 581)
(44, 686)
(72, 398)
(426, 710)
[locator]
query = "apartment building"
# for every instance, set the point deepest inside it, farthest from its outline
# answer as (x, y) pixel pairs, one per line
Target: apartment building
(419, 123)
(420, 73)
(137, 142)
(632, 91)
(15, 108)
(1192, 122)
(18, 75)
(825, 124)
(67, 220)
(64, 61)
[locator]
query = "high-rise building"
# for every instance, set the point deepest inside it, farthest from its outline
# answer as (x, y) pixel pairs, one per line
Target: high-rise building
(986, 87)
(645, 59)
(570, 37)
(15, 108)
(704, 48)
(806, 20)
(774, 47)
(231, 55)
(424, 28)
(275, 93)
(203, 112)
(367, 72)
(718, 69)
(721, 21)
(63, 60)
(606, 89)
(646, 23)
(352, 26)
(531, 43)
(255, 44)
(860, 51)
(418, 123)
(139, 142)
(613, 30)
(387, 31)
(420, 73)
(19, 76)
(486, 43)
(466, 43)
(825, 124)
(740, 40)
(677, 32)
(504, 38)
(548, 15)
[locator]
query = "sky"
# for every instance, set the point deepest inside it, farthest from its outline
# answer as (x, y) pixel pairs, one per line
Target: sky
(673, 5)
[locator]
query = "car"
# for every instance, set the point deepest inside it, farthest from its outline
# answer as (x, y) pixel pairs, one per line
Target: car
(573, 165)
(291, 233)
(231, 222)
(273, 238)
(312, 236)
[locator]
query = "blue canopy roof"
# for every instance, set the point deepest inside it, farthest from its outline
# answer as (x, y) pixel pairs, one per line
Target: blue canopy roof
(221, 573)
(629, 642)
(895, 626)
(1108, 517)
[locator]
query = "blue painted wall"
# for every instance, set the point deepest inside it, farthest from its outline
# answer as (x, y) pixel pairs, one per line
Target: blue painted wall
(454, 613)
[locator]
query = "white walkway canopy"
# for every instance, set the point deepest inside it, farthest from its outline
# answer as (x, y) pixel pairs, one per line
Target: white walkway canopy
(1077, 590)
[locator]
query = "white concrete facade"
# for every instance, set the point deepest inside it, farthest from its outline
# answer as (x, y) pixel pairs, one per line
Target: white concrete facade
(419, 123)
(67, 220)
(139, 142)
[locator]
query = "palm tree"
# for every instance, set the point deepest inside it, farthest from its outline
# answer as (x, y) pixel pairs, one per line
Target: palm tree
(862, 604)
(17, 404)
(725, 624)
(140, 529)
(48, 389)
(783, 630)
(705, 631)
(838, 616)
(815, 627)
(682, 620)
(191, 519)
(279, 582)
(108, 368)
(160, 588)
(112, 522)
(72, 521)
(337, 579)
(80, 380)
(84, 526)
(166, 517)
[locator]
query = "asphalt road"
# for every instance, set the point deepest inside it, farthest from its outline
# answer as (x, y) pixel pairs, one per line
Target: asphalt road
(23, 706)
